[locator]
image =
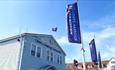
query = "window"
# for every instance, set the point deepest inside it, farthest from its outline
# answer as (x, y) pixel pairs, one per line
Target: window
(38, 52)
(89, 66)
(48, 55)
(50, 41)
(79, 66)
(112, 62)
(51, 56)
(33, 50)
(60, 60)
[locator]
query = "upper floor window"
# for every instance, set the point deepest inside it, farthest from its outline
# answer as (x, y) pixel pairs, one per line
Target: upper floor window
(33, 49)
(59, 59)
(38, 53)
(48, 55)
(51, 56)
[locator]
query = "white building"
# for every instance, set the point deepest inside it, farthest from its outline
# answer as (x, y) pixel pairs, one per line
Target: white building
(111, 64)
(30, 51)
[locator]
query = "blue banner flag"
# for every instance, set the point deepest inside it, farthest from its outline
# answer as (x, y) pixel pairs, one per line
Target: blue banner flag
(73, 25)
(99, 60)
(93, 51)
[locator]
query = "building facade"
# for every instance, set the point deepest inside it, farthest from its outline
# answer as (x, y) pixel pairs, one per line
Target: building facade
(30, 51)
(111, 64)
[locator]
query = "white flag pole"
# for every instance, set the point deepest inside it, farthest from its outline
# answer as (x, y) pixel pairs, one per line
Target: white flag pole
(83, 55)
(82, 46)
(83, 52)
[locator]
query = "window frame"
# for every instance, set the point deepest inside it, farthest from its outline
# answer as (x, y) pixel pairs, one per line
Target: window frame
(48, 55)
(58, 59)
(51, 56)
(36, 50)
(32, 49)
(40, 53)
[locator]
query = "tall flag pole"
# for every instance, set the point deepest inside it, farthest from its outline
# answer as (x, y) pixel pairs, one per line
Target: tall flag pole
(99, 61)
(74, 31)
(93, 51)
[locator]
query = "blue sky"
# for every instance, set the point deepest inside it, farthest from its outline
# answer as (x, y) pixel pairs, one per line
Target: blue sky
(97, 17)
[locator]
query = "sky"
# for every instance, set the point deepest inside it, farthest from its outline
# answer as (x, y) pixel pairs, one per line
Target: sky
(97, 20)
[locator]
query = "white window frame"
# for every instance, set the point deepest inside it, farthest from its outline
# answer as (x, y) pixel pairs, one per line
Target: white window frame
(36, 50)
(60, 59)
(48, 55)
(52, 56)
(32, 48)
(40, 51)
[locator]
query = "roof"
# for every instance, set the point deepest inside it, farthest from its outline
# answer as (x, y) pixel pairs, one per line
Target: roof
(111, 58)
(71, 66)
(104, 62)
(30, 34)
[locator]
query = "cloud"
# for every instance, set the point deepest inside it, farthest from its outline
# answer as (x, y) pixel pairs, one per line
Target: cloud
(99, 24)
(111, 49)
(107, 33)
(69, 60)
(87, 36)
(63, 40)
(100, 38)
(104, 38)
(72, 50)
(105, 56)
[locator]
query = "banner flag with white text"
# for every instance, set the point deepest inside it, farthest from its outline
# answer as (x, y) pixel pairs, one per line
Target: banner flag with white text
(73, 24)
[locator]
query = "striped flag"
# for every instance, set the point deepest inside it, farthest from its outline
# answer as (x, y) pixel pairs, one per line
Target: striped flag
(73, 24)
(93, 51)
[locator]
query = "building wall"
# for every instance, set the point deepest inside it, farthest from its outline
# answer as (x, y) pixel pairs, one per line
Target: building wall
(30, 62)
(9, 55)
(111, 64)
